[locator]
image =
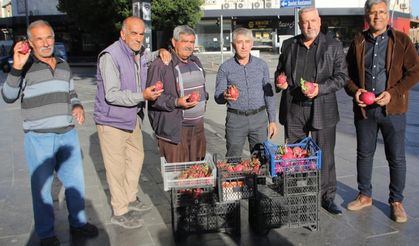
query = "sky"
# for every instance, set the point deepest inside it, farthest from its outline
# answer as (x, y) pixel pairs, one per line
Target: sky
(415, 8)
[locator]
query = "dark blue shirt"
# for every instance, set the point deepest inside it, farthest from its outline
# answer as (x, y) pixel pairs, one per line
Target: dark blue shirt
(375, 62)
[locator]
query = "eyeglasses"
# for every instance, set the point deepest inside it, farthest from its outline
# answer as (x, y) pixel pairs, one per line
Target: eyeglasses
(378, 13)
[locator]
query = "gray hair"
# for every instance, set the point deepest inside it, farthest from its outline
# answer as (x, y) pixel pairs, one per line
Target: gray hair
(36, 24)
(242, 31)
(125, 22)
(369, 3)
(307, 9)
(180, 30)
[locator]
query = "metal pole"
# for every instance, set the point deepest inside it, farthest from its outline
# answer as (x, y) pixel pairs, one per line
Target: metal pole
(221, 39)
(27, 13)
(296, 27)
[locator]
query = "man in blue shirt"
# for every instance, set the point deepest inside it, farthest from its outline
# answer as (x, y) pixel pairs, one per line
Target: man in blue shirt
(246, 114)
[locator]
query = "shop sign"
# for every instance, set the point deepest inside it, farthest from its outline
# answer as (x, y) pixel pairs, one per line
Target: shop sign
(295, 3)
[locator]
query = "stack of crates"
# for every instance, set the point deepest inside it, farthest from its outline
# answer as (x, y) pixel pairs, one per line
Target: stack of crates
(194, 202)
(293, 200)
(236, 183)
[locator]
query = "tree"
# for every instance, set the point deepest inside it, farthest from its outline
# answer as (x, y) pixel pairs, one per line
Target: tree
(99, 19)
(166, 14)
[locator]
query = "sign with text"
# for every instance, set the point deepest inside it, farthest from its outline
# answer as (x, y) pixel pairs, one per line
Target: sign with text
(295, 3)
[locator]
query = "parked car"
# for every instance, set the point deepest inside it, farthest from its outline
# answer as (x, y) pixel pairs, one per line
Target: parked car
(6, 62)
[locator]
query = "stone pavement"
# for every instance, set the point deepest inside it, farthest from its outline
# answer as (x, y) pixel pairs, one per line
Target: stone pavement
(371, 226)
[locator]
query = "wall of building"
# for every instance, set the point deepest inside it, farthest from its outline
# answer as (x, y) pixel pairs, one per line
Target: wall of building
(36, 7)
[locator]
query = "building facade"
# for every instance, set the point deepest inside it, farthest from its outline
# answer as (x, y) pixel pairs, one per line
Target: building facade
(273, 21)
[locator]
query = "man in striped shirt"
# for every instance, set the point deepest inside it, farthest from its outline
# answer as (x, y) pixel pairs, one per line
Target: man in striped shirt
(49, 103)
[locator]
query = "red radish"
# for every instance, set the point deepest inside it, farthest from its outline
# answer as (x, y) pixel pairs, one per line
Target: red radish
(367, 97)
(233, 91)
(158, 86)
(194, 96)
(281, 79)
(307, 86)
(24, 48)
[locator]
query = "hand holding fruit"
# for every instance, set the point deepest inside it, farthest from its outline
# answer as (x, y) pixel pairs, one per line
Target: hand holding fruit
(309, 89)
(21, 54)
(364, 98)
(188, 101)
(281, 81)
(383, 99)
(151, 93)
(231, 93)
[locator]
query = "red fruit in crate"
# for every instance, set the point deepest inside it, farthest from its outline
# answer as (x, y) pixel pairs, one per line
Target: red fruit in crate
(367, 97)
(158, 86)
(281, 79)
(230, 169)
(233, 91)
(24, 48)
(194, 97)
(307, 86)
(278, 169)
(238, 168)
(313, 165)
(297, 151)
(288, 155)
(198, 192)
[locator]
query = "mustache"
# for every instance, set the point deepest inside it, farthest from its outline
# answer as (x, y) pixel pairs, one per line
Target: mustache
(187, 49)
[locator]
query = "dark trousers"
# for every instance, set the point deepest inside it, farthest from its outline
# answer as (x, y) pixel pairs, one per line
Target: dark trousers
(242, 127)
(393, 129)
(297, 128)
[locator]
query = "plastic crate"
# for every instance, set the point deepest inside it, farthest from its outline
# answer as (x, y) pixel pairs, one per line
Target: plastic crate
(186, 197)
(170, 172)
(204, 216)
(294, 183)
(271, 210)
(235, 185)
(313, 162)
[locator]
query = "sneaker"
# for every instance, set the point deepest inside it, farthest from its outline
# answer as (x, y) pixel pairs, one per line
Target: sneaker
(129, 220)
(398, 213)
(87, 230)
(361, 201)
(50, 241)
(139, 206)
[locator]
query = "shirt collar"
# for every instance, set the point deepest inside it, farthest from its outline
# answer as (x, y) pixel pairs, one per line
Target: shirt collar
(301, 40)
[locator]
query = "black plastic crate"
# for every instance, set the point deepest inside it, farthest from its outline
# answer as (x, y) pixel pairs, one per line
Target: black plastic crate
(269, 209)
(185, 197)
(295, 183)
(236, 184)
(204, 216)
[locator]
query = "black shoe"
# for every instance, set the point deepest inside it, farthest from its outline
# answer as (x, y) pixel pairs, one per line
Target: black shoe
(331, 207)
(50, 241)
(87, 230)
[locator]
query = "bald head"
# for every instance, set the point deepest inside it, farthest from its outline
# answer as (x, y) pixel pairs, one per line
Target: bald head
(132, 32)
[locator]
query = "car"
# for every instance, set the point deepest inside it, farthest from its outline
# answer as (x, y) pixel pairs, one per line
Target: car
(6, 62)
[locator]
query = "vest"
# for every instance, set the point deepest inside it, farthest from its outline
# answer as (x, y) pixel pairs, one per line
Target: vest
(117, 116)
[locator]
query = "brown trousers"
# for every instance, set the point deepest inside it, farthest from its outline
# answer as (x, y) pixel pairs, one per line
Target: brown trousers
(123, 155)
(191, 148)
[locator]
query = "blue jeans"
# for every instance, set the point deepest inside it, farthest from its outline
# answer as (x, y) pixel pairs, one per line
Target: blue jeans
(393, 129)
(46, 153)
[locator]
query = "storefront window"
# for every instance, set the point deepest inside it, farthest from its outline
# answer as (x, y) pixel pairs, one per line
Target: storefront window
(208, 35)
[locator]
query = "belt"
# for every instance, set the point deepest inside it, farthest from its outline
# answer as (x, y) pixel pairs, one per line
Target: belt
(247, 112)
(303, 103)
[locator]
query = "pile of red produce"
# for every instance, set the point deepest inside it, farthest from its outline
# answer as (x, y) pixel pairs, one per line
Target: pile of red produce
(247, 166)
(293, 159)
(195, 193)
(196, 171)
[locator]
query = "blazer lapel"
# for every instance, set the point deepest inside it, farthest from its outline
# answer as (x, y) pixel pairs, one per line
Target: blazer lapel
(293, 60)
(320, 55)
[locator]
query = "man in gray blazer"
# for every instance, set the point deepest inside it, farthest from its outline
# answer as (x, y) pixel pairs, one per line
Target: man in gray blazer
(312, 56)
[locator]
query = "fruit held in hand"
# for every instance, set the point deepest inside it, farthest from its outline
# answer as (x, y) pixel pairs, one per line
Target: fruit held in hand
(281, 79)
(367, 97)
(194, 97)
(233, 91)
(24, 48)
(307, 86)
(158, 86)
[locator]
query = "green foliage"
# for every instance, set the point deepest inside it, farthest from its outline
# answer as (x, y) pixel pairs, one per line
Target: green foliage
(101, 18)
(166, 14)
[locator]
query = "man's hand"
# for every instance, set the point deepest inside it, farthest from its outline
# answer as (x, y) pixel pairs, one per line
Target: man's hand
(150, 94)
(383, 99)
(183, 102)
(165, 56)
(315, 92)
(272, 130)
(228, 96)
(20, 59)
(78, 114)
(282, 86)
(357, 99)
